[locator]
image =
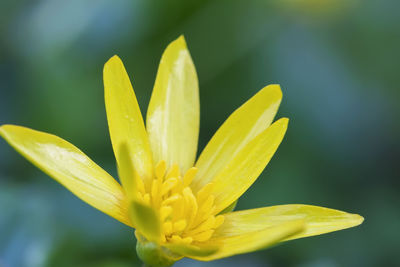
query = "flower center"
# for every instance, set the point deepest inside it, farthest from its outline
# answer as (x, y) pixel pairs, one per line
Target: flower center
(185, 217)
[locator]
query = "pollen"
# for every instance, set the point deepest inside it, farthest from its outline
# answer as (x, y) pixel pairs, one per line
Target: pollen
(185, 217)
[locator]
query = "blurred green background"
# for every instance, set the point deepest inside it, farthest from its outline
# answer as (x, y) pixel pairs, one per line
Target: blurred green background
(336, 60)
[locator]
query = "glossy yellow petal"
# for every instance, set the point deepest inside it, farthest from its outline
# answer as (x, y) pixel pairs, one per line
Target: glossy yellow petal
(146, 220)
(239, 240)
(174, 113)
(125, 119)
(318, 220)
(242, 126)
(126, 172)
(243, 169)
(70, 167)
(192, 251)
(250, 230)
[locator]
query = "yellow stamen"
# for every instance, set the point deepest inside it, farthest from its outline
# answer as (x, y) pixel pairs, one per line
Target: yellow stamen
(168, 185)
(171, 199)
(204, 236)
(146, 199)
(174, 172)
(189, 175)
(179, 225)
(167, 228)
(219, 220)
(165, 211)
(204, 192)
(160, 169)
(185, 217)
(191, 203)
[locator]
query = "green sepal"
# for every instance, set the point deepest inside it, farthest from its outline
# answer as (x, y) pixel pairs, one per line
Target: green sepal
(146, 220)
(154, 255)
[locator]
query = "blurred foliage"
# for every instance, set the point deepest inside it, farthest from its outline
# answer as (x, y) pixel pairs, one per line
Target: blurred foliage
(335, 59)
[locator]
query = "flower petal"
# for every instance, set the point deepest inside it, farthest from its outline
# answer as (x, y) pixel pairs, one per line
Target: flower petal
(192, 251)
(173, 116)
(125, 119)
(126, 172)
(247, 122)
(318, 220)
(250, 230)
(243, 169)
(239, 240)
(70, 167)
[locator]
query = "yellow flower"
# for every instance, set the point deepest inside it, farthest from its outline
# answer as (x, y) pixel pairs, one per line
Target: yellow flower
(180, 207)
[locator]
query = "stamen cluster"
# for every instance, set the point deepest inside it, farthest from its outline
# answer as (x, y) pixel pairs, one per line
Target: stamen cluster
(185, 217)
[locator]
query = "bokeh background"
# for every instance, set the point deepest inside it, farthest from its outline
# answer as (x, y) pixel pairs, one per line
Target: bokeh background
(336, 60)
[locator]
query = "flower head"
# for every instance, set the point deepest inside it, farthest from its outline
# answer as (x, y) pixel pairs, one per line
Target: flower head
(180, 206)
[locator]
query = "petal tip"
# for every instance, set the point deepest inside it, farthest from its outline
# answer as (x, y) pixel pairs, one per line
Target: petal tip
(3, 126)
(275, 87)
(115, 57)
(113, 60)
(179, 43)
(181, 38)
(283, 121)
(271, 93)
(358, 219)
(6, 128)
(2, 130)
